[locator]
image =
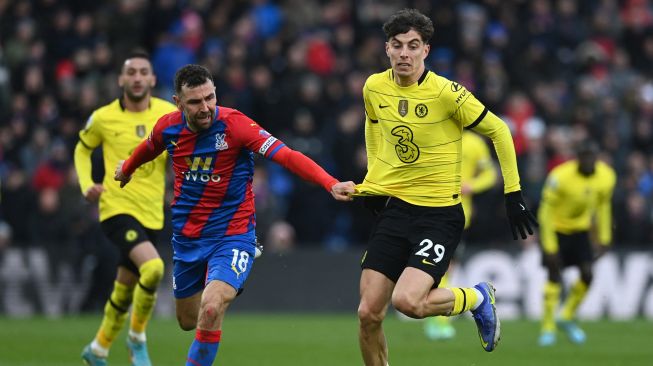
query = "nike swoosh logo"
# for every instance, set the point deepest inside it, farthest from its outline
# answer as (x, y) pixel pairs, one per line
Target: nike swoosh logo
(522, 207)
(427, 262)
(236, 271)
(383, 106)
(174, 144)
(483, 343)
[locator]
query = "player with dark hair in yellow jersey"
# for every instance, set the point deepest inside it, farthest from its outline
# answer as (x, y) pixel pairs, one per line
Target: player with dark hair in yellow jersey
(130, 217)
(413, 135)
(477, 174)
(576, 206)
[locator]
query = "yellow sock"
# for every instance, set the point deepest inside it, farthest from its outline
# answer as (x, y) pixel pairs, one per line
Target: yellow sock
(551, 302)
(576, 295)
(115, 313)
(151, 273)
(464, 299)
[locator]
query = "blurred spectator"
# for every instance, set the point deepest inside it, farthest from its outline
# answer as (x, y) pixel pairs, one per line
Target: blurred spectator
(17, 203)
(280, 238)
(49, 227)
(51, 173)
(634, 221)
(168, 56)
(5, 236)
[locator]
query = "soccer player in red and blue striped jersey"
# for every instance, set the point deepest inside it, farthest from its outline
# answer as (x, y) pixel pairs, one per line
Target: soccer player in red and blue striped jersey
(213, 213)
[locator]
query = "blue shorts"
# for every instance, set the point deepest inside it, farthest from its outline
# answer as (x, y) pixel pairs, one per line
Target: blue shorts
(198, 261)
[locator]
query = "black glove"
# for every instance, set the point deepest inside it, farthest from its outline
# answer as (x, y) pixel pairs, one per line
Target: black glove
(519, 216)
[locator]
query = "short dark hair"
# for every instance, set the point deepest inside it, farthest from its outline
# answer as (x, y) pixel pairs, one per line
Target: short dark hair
(406, 19)
(135, 53)
(138, 53)
(191, 75)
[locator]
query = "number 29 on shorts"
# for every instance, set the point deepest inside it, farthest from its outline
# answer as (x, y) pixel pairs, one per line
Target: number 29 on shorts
(427, 248)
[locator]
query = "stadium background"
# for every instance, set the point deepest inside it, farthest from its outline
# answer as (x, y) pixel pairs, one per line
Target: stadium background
(555, 70)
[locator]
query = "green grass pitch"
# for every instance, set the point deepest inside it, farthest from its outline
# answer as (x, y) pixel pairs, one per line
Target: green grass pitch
(328, 340)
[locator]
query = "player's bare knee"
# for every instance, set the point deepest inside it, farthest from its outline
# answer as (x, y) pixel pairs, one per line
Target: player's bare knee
(368, 316)
(210, 312)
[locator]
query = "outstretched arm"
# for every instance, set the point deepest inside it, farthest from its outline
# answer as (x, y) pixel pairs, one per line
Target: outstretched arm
(310, 171)
(258, 140)
(143, 153)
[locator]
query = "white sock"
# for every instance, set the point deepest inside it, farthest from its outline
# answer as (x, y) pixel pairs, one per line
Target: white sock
(137, 337)
(99, 350)
(479, 299)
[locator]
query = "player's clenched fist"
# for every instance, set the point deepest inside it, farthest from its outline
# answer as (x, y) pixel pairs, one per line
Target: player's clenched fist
(342, 191)
(120, 176)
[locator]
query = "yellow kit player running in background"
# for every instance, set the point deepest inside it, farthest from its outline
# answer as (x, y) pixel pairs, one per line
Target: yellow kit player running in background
(477, 174)
(129, 217)
(575, 200)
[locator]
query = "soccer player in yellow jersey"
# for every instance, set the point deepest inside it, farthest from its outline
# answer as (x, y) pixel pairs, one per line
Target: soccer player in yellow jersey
(576, 199)
(413, 129)
(129, 217)
(477, 175)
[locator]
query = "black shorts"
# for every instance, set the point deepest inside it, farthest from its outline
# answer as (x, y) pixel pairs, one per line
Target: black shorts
(126, 232)
(574, 249)
(407, 235)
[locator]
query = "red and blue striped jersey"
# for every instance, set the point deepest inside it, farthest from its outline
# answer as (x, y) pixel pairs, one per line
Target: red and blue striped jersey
(213, 171)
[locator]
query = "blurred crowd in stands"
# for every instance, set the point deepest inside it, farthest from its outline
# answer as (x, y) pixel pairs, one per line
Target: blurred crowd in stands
(556, 71)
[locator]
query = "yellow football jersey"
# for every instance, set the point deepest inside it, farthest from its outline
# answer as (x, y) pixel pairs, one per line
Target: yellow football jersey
(477, 170)
(571, 202)
(413, 139)
(119, 131)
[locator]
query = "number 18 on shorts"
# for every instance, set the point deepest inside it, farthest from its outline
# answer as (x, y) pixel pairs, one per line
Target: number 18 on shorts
(228, 259)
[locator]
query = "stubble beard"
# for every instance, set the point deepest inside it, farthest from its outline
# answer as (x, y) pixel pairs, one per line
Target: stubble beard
(199, 127)
(137, 97)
